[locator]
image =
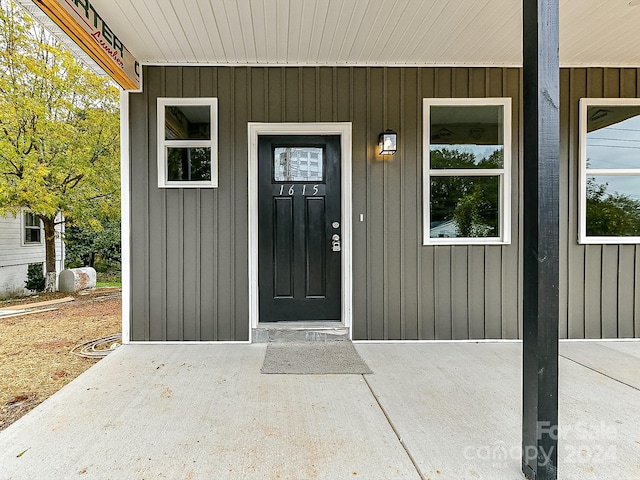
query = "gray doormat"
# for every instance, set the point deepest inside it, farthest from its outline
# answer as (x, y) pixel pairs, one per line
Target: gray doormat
(313, 358)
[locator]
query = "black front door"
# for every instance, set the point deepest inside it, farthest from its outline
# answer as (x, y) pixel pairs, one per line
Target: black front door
(299, 228)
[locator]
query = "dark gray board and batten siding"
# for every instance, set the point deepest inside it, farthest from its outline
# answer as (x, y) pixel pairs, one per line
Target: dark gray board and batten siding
(189, 246)
(600, 284)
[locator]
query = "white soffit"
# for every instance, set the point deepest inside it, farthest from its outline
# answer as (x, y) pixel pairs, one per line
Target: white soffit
(365, 32)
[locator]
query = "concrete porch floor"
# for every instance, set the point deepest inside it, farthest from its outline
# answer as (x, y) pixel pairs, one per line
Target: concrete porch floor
(439, 411)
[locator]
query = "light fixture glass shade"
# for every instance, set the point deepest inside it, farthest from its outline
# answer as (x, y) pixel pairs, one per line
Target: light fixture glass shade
(388, 142)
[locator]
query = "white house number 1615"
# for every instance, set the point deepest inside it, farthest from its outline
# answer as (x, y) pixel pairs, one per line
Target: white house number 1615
(313, 190)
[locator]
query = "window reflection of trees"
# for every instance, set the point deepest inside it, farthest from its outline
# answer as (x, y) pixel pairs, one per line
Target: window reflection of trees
(189, 164)
(471, 201)
(611, 167)
(610, 213)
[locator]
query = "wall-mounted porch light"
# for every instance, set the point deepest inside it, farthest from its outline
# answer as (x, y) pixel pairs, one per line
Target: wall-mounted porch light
(388, 142)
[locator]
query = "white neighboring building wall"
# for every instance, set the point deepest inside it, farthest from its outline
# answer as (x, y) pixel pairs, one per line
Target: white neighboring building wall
(16, 253)
(448, 229)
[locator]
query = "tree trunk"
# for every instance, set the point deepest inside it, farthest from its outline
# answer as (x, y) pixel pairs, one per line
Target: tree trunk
(50, 249)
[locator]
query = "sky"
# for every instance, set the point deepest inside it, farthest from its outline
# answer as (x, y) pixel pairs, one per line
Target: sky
(616, 147)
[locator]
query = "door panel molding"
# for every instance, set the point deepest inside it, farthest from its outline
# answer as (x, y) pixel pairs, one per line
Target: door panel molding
(343, 129)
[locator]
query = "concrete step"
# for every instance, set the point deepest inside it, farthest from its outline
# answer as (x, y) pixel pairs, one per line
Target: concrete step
(300, 332)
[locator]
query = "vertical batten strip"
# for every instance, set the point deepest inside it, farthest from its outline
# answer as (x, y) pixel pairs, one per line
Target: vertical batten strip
(401, 147)
(233, 215)
(241, 101)
(636, 302)
(369, 273)
(334, 93)
(198, 249)
(511, 314)
(224, 220)
(163, 228)
(385, 214)
(318, 86)
(146, 223)
(181, 233)
(140, 143)
(565, 215)
(393, 201)
(162, 194)
(505, 250)
(300, 93)
(418, 206)
(181, 270)
(520, 210)
(576, 287)
(216, 227)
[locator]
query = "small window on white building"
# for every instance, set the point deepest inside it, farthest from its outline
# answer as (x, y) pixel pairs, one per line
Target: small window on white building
(609, 170)
(32, 228)
(187, 142)
(466, 171)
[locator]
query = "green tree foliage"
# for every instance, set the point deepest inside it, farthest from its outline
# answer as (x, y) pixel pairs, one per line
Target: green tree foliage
(471, 201)
(471, 216)
(611, 214)
(58, 132)
(85, 246)
(35, 278)
(192, 163)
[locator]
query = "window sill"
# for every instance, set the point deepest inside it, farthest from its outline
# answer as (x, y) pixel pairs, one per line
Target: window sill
(609, 240)
(189, 185)
(465, 241)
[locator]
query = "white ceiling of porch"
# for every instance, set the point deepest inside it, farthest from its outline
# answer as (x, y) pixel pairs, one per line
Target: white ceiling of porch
(365, 32)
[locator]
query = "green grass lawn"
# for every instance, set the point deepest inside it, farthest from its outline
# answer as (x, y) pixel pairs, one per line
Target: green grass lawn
(109, 279)
(108, 284)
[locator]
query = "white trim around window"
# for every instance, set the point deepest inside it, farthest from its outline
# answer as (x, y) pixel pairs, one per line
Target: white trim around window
(202, 145)
(467, 127)
(26, 239)
(610, 156)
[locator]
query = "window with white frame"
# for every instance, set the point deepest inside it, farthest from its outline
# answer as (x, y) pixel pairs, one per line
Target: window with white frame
(187, 142)
(609, 170)
(32, 228)
(466, 170)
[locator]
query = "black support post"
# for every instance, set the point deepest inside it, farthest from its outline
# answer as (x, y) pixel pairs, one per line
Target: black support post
(541, 78)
